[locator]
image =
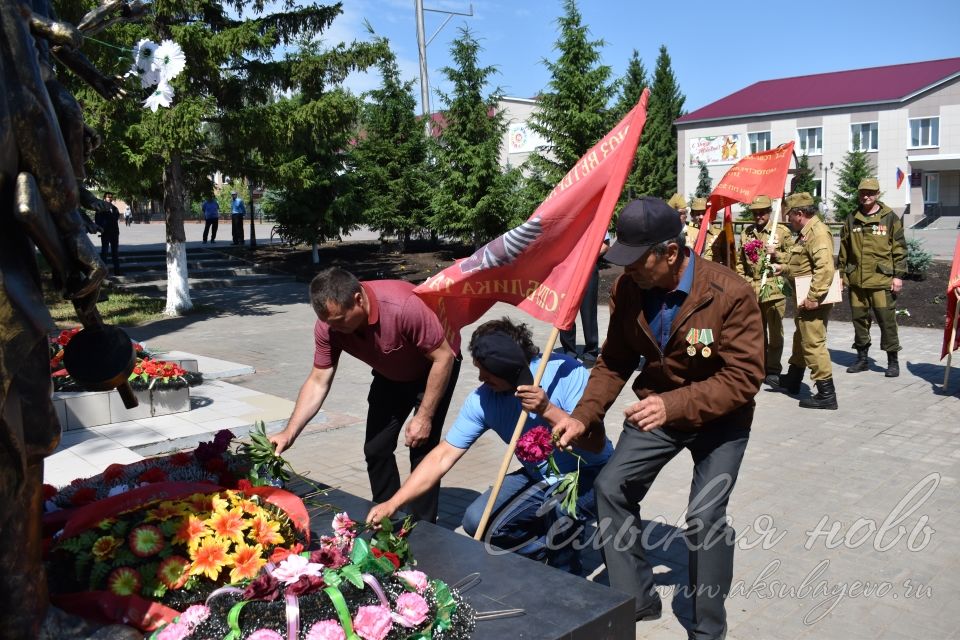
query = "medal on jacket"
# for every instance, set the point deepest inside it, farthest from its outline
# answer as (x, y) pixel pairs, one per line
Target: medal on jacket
(693, 337)
(706, 338)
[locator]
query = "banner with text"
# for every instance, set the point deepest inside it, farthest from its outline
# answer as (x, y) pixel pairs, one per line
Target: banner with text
(714, 150)
(543, 266)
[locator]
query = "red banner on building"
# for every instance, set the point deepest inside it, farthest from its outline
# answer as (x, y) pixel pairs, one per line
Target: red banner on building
(953, 286)
(543, 265)
(762, 173)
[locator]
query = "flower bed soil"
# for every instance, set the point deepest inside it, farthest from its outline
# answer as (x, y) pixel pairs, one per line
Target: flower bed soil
(924, 299)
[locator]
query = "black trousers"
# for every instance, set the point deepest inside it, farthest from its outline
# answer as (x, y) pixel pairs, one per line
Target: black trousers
(237, 222)
(109, 245)
(588, 318)
(211, 225)
(390, 404)
(717, 452)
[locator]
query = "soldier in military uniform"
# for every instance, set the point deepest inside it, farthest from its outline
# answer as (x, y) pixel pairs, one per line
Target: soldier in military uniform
(680, 204)
(812, 255)
(770, 294)
(872, 263)
(714, 248)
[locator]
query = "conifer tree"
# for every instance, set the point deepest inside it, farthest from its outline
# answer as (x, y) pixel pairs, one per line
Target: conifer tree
(855, 167)
(656, 166)
(704, 182)
(572, 114)
(470, 202)
(632, 84)
(803, 179)
(391, 159)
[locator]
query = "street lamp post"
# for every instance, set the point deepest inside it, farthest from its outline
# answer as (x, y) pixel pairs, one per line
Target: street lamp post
(422, 42)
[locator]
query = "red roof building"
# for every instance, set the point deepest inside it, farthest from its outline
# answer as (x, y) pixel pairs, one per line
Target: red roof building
(906, 116)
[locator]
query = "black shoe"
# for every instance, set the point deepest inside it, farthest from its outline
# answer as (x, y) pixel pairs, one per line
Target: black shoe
(861, 363)
(772, 379)
(652, 611)
(791, 381)
(893, 365)
(826, 397)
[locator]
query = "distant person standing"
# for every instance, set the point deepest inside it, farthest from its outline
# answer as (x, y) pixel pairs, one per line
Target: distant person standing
(588, 317)
(237, 211)
(211, 218)
(714, 248)
(127, 216)
(677, 202)
(872, 263)
(108, 219)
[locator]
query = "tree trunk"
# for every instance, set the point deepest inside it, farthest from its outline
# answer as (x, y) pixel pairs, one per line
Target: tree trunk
(178, 286)
(315, 253)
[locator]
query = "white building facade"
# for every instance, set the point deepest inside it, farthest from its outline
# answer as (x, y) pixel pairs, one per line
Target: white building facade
(907, 118)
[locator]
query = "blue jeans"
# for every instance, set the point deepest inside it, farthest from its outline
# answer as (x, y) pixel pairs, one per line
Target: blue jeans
(527, 519)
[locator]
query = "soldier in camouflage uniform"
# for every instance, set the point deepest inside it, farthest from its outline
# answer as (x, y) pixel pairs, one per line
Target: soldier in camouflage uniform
(872, 263)
(770, 294)
(812, 255)
(714, 248)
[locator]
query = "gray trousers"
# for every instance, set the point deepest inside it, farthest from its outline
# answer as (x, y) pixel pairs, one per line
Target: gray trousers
(717, 452)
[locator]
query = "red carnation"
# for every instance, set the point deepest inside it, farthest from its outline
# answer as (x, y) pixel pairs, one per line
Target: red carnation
(156, 474)
(113, 472)
(181, 459)
(280, 553)
(84, 495)
(305, 585)
(389, 555)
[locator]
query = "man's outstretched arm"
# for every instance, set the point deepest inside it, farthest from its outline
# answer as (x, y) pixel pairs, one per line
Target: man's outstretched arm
(426, 476)
(312, 394)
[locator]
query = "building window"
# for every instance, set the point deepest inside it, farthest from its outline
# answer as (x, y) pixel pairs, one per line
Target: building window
(759, 141)
(931, 188)
(810, 140)
(925, 132)
(817, 189)
(863, 136)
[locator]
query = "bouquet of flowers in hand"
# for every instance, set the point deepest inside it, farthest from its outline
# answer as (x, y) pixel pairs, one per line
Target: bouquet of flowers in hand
(757, 255)
(537, 446)
(350, 587)
(174, 551)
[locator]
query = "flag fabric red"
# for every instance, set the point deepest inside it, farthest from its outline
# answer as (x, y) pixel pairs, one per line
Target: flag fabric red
(900, 177)
(543, 266)
(953, 286)
(762, 173)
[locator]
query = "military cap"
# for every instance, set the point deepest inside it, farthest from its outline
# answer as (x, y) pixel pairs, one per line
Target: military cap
(698, 204)
(802, 199)
(869, 184)
(760, 202)
(677, 202)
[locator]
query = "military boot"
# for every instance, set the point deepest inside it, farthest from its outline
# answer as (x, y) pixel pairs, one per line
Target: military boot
(826, 397)
(791, 381)
(893, 365)
(861, 364)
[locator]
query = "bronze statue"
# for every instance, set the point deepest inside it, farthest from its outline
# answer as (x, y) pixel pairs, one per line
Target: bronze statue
(43, 141)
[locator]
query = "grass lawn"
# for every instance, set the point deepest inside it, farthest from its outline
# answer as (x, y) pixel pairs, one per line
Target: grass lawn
(122, 309)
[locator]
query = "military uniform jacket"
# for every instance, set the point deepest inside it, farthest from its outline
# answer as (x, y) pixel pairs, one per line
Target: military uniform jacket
(713, 246)
(811, 255)
(713, 391)
(751, 271)
(873, 250)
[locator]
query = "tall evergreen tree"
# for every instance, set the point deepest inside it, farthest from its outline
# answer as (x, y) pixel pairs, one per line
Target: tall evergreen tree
(804, 179)
(572, 114)
(391, 158)
(704, 182)
(470, 202)
(632, 84)
(656, 167)
(855, 167)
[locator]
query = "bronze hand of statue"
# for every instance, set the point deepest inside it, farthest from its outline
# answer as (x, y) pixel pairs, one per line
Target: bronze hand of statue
(103, 16)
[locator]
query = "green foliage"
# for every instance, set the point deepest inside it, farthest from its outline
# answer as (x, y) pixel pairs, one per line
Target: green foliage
(855, 167)
(572, 113)
(655, 172)
(803, 179)
(470, 201)
(918, 258)
(632, 84)
(391, 158)
(704, 182)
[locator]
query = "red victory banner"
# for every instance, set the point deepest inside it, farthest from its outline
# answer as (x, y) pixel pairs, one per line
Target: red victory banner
(950, 341)
(543, 266)
(762, 173)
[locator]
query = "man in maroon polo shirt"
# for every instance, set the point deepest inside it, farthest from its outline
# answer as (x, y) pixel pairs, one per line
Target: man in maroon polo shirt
(385, 325)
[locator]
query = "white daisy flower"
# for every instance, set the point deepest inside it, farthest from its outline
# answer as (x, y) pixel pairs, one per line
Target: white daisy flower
(169, 60)
(160, 97)
(143, 63)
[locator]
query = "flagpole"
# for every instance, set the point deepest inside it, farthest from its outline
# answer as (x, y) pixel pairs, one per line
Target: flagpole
(508, 456)
(953, 339)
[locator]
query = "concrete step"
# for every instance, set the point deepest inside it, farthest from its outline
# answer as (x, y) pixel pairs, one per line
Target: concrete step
(161, 265)
(194, 274)
(160, 286)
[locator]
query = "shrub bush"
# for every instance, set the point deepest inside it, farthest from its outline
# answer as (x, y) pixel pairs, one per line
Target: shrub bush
(918, 259)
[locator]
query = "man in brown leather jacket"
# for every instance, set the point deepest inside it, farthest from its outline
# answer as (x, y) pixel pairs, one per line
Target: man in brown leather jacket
(697, 325)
